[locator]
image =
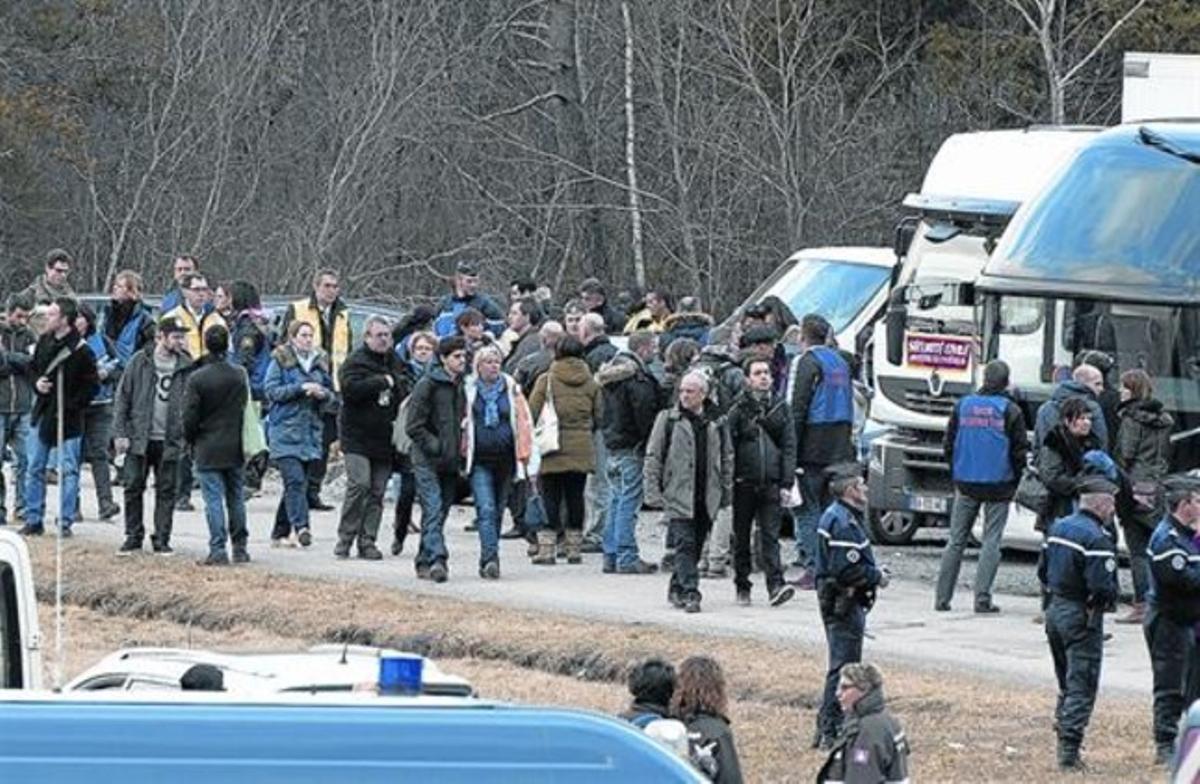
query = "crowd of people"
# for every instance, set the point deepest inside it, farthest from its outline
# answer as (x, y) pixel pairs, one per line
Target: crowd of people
(733, 431)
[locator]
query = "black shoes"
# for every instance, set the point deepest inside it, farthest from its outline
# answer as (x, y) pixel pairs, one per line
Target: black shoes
(369, 552)
(215, 559)
(986, 608)
(513, 533)
(941, 606)
(317, 505)
(438, 573)
(165, 550)
(490, 571)
(341, 550)
(743, 597)
(129, 548)
(29, 530)
(109, 511)
(638, 567)
(676, 599)
(304, 538)
(781, 595)
(240, 556)
(692, 605)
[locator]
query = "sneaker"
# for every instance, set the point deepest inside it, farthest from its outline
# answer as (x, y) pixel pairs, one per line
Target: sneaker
(609, 566)
(743, 597)
(986, 608)
(108, 512)
(438, 573)
(184, 505)
(31, 530)
(304, 538)
(638, 567)
(490, 571)
(215, 559)
(129, 548)
(781, 595)
(369, 552)
(341, 550)
(691, 605)
(165, 550)
(423, 572)
(240, 556)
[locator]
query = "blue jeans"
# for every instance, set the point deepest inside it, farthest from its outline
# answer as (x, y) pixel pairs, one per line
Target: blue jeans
(13, 430)
(624, 501)
(68, 480)
(436, 493)
(293, 503)
(490, 485)
(807, 515)
(222, 487)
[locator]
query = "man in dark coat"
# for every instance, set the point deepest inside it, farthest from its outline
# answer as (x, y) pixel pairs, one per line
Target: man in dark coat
(16, 396)
(215, 397)
(62, 364)
(987, 447)
(595, 300)
(435, 415)
(373, 383)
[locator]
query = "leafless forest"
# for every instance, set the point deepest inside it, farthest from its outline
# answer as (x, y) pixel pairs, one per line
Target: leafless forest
(687, 142)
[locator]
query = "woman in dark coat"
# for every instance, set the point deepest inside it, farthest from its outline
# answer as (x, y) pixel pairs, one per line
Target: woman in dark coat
(1143, 452)
(1060, 460)
(701, 703)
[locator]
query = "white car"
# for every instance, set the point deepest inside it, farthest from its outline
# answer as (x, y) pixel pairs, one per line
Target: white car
(321, 669)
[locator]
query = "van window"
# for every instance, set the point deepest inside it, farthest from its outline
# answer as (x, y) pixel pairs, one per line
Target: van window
(838, 290)
(10, 630)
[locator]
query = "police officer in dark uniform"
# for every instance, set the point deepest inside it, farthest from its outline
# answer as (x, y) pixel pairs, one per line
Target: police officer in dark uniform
(1078, 572)
(847, 578)
(1174, 608)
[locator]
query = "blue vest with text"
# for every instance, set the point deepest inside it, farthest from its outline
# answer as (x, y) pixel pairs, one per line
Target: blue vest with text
(981, 453)
(833, 399)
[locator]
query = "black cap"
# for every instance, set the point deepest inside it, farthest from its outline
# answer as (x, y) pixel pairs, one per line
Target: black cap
(1182, 483)
(1095, 484)
(202, 677)
(169, 325)
(849, 469)
(759, 334)
(466, 267)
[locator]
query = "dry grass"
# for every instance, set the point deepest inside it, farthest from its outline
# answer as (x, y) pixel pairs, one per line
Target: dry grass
(964, 728)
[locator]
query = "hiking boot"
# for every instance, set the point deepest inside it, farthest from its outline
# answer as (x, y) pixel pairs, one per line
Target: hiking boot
(215, 559)
(30, 530)
(109, 511)
(692, 605)
(304, 538)
(438, 573)
(490, 570)
(781, 595)
(743, 597)
(547, 541)
(129, 547)
(369, 552)
(240, 556)
(1136, 614)
(574, 547)
(638, 567)
(342, 549)
(986, 608)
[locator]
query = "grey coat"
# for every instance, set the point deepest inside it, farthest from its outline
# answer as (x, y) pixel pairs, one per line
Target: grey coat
(134, 405)
(669, 469)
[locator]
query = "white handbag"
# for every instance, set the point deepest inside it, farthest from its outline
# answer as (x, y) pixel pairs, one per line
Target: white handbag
(545, 432)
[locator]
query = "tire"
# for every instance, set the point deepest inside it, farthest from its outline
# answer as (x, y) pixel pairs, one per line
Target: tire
(892, 528)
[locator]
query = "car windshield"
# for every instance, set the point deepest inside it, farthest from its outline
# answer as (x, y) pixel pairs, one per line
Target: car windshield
(838, 290)
(1121, 212)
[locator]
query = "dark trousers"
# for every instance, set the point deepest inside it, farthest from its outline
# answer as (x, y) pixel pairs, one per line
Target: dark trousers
(518, 495)
(137, 470)
(844, 641)
(404, 505)
(184, 477)
(1172, 657)
(688, 536)
(564, 493)
(292, 513)
(362, 508)
(1137, 539)
(97, 431)
(1076, 638)
(317, 468)
(761, 504)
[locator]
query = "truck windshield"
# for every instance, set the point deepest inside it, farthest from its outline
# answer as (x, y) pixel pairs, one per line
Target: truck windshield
(838, 290)
(1121, 212)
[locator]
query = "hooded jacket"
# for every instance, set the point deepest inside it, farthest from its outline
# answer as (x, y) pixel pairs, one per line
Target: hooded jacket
(764, 441)
(372, 386)
(1049, 414)
(16, 359)
(726, 378)
(1018, 450)
(631, 402)
(435, 417)
(134, 406)
(685, 325)
(1143, 452)
(296, 423)
(580, 409)
(872, 748)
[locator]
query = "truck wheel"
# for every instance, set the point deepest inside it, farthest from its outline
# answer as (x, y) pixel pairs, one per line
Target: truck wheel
(892, 528)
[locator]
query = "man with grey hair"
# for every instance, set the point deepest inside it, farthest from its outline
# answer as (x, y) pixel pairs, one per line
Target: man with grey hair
(1078, 572)
(531, 368)
(874, 747)
(688, 472)
(597, 350)
(986, 445)
(1087, 383)
(631, 403)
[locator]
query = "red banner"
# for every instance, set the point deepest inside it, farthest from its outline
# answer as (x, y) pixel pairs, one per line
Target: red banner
(938, 351)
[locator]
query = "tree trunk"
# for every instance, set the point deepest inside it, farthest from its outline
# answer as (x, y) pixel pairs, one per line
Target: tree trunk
(635, 204)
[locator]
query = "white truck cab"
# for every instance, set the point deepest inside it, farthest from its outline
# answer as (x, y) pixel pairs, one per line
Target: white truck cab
(20, 640)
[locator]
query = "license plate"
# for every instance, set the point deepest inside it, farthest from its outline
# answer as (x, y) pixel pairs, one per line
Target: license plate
(932, 504)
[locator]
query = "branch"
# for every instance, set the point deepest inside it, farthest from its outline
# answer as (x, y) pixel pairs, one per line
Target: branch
(1069, 75)
(534, 101)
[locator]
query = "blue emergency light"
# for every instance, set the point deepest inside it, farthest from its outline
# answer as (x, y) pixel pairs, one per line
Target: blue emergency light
(400, 674)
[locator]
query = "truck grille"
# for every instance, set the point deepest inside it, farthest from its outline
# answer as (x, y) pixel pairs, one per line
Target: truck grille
(925, 403)
(914, 394)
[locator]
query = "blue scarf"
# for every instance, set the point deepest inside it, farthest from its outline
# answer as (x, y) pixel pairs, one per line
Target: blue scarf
(491, 400)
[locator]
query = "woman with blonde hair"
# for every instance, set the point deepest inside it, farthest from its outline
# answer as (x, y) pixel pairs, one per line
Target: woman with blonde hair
(497, 446)
(700, 701)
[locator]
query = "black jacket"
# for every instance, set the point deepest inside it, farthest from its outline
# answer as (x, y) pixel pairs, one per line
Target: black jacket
(712, 728)
(77, 363)
(598, 352)
(1060, 465)
(614, 322)
(821, 444)
(16, 358)
(213, 402)
(531, 368)
(726, 378)
(631, 402)
(764, 441)
(134, 405)
(372, 387)
(1018, 451)
(435, 416)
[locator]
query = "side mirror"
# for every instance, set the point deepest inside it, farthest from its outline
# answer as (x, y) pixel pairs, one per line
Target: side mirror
(894, 323)
(902, 240)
